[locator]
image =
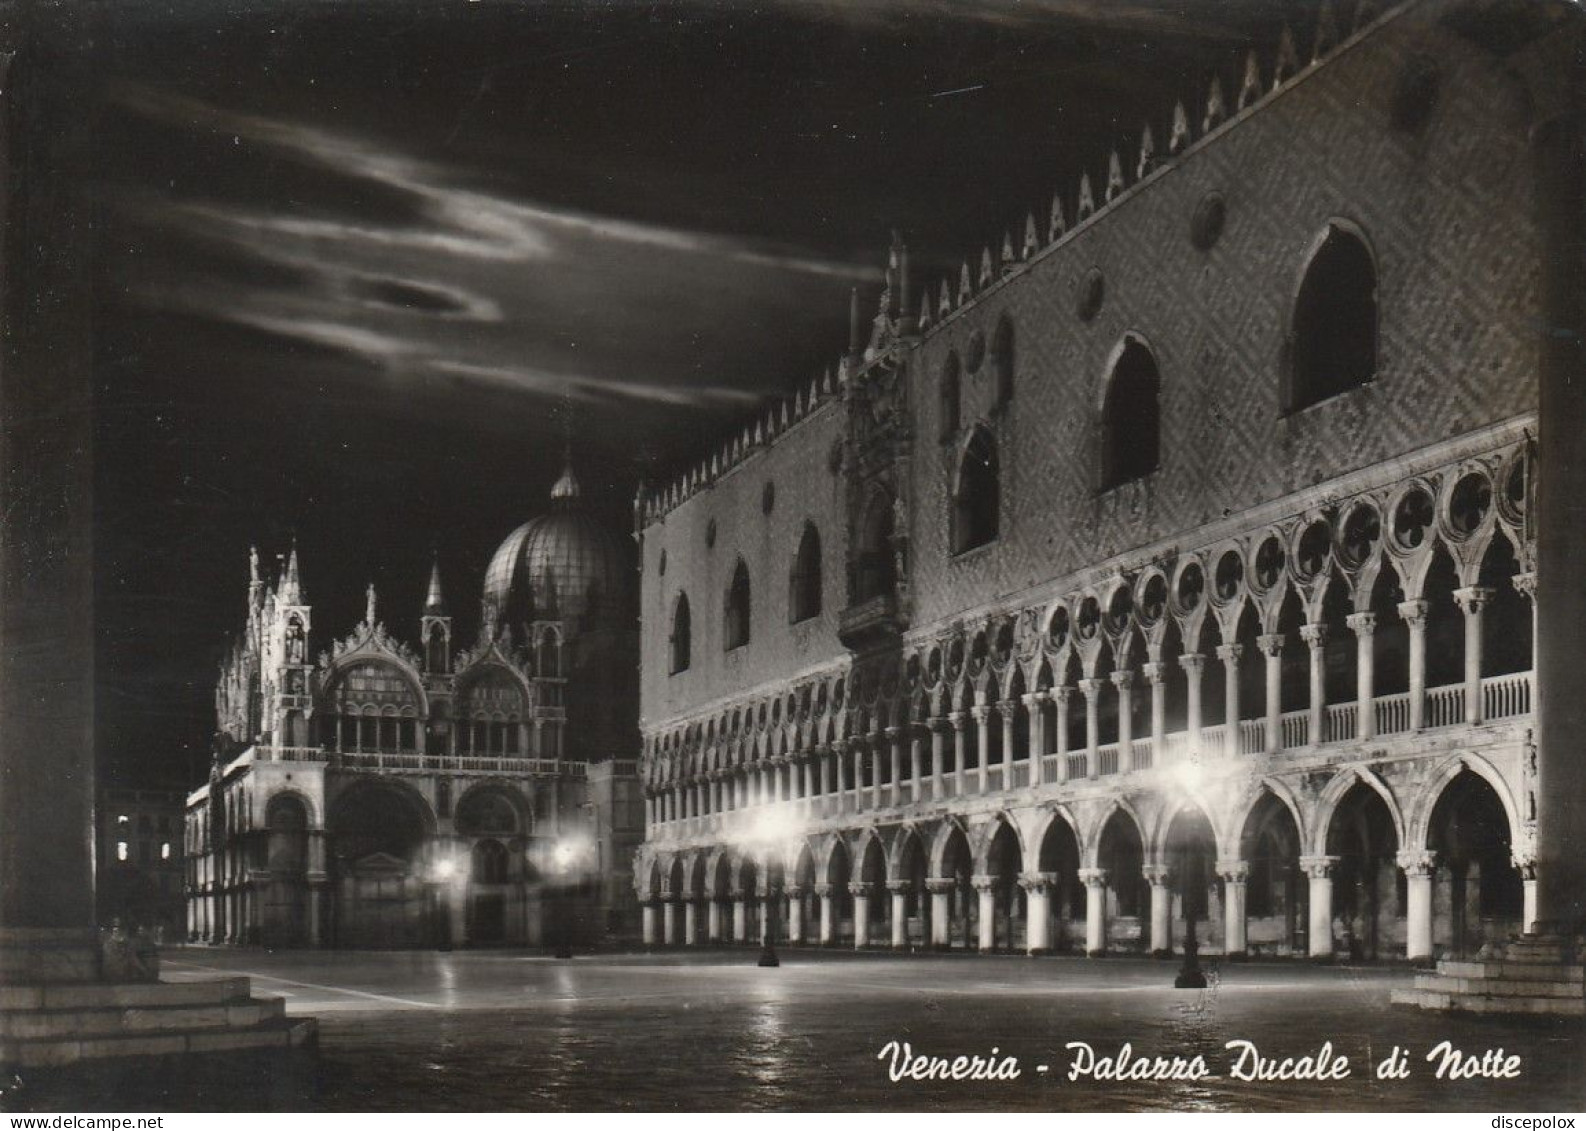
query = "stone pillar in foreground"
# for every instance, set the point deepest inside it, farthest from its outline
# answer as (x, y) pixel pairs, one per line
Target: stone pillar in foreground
(941, 924)
(900, 918)
(1095, 881)
(1234, 873)
(1038, 917)
(1320, 871)
(986, 890)
(1159, 876)
(1418, 867)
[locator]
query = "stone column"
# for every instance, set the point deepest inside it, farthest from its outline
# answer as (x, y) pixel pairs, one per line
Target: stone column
(1320, 871)
(740, 917)
(824, 766)
(861, 918)
(1418, 866)
(941, 924)
(649, 922)
(1193, 663)
(900, 918)
(808, 761)
(1124, 682)
(938, 755)
(1095, 881)
(1037, 716)
(1473, 600)
(1271, 645)
(713, 920)
(1038, 907)
(917, 761)
(1091, 690)
(1234, 873)
(795, 913)
(986, 889)
(828, 920)
(856, 751)
(1364, 626)
(690, 922)
(895, 742)
(1230, 655)
(958, 719)
(1528, 879)
(1414, 615)
(1060, 700)
(1007, 709)
(669, 920)
(1315, 637)
(982, 716)
(1160, 877)
(1153, 676)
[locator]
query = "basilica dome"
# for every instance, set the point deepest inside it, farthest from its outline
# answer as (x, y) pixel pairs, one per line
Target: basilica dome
(564, 565)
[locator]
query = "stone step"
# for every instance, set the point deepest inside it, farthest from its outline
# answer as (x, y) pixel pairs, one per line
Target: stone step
(1496, 987)
(113, 1021)
(279, 1033)
(1480, 1003)
(1519, 971)
(105, 995)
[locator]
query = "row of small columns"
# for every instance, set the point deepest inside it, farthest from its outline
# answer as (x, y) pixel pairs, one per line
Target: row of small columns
(725, 790)
(660, 916)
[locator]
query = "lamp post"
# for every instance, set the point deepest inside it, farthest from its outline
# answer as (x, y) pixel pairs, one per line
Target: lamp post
(770, 832)
(1190, 975)
(444, 874)
(565, 857)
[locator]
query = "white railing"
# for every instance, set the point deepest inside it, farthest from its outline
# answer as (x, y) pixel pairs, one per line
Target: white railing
(1445, 706)
(1295, 727)
(1505, 696)
(1076, 767)
(1252, 736)
(1338, 723)
(1393, 713)
(1107, 759)
(1140, 757)
(1212, 741)
(1051, 766)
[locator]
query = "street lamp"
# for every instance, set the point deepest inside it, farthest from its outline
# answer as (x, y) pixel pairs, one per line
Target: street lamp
(445, 874)
(1190, 975)
(565, 857)
(770, 832)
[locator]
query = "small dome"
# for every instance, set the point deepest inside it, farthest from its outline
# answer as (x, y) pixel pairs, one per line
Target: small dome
(563, 565)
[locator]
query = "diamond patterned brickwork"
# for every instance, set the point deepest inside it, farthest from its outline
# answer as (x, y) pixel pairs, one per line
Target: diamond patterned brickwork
(1447, 216)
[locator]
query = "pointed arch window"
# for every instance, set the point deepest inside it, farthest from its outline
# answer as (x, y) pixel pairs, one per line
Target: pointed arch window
(1131, 421)
(682, 635)
(876, 567)
(804, 586)
(1333, 345)
(736, 618)
(977, 494)
(949, 395)
(1002, 361)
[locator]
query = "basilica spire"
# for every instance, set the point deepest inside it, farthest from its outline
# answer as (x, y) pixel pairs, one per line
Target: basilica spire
(291, 588)
(435, 602)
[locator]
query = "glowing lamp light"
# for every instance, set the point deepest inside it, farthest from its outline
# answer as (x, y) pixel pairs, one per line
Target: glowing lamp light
(445, 868)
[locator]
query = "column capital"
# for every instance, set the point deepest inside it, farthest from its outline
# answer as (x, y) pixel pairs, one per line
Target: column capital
(1093, 877)
(957, 719)
(1152, 670)
(1270, 643)
(1314, 635)
(893, 733)
(1233, 871)
(1414, 612)
(1089, 687)
(939, 886)
(938, 724)
(1123, 680)
(980, 712)
(823, 890)
(1157, 875)
(1474, 598)
(1031, 699)
(1362, 624)
(983, 883)
(841, 746)
(1192, 662)
(900, 887)
(1526, 584)
(1527, 866)
(1037, 881)
(1230, 653)
(1318, 867)
(1417, 862)
(794, 891)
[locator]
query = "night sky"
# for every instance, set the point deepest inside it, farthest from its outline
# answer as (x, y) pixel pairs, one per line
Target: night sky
(362, 266)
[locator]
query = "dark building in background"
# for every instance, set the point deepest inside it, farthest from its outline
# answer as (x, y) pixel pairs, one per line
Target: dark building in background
(141, 863)
(377, 794)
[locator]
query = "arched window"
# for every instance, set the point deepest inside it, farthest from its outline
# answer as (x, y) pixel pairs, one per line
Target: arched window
(876, 572)
(1131, 425)
(1333, 347)
(949, 397)
(490, 862)
(804, 587)
(736, 620)
(682, 635)
(977, 496)
(1002, 360)
(435, 649)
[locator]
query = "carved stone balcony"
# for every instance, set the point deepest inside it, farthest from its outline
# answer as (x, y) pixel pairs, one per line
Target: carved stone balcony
(873, 623)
